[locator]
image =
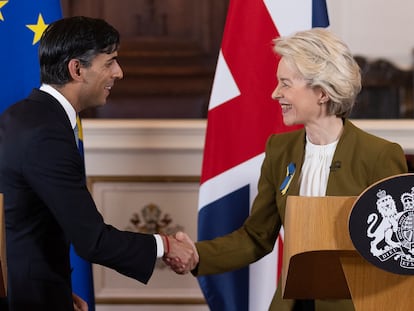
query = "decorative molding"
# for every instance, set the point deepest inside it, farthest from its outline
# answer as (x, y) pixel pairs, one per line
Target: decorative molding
(159, 134)
(143, 147)
(400, 131)
(138, 134)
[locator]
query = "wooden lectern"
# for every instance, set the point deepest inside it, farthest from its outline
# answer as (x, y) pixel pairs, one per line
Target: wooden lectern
(3, 270)
(320, 261)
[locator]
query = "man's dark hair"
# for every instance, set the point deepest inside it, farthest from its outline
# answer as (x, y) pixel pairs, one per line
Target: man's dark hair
(69, 38)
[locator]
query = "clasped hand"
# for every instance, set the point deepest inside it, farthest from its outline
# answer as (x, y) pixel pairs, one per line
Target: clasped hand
(182, 256)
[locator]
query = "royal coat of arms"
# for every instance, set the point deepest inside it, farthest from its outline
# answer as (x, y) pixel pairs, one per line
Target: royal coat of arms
(381, 224)
(393, 236)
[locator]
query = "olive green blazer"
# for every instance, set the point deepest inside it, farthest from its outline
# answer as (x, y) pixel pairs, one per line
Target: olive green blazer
(360, 160)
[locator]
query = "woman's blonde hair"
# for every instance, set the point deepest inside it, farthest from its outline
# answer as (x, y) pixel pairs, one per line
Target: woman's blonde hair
(326, 62)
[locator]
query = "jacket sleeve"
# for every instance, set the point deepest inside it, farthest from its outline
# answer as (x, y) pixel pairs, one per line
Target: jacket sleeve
(55, 172)
(253, 240)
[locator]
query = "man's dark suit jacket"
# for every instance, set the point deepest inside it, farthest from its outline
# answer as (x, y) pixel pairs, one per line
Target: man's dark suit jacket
(48, 206)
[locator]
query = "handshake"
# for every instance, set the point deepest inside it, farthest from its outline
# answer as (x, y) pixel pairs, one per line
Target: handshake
(180, 253)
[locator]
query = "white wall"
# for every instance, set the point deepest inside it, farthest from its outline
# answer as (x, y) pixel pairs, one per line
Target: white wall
(375, 28)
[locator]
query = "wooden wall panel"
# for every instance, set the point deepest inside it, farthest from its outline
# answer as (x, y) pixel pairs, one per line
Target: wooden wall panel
(168, 52)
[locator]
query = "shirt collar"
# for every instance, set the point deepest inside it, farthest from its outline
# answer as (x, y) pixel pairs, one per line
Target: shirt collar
(70, 111)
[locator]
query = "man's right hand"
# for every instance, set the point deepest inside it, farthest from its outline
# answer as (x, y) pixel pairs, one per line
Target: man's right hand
(183, 256)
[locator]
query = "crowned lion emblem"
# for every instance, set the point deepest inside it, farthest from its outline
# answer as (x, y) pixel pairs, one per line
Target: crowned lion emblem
(388, 226)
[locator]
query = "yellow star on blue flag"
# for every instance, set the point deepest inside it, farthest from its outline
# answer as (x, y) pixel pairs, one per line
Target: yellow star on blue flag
(2, 4)
(38, 28)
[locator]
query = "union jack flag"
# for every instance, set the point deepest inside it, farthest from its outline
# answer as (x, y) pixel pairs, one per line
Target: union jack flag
(241, 117)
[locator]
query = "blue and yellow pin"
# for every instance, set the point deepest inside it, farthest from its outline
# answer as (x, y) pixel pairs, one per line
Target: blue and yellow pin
(290, 172)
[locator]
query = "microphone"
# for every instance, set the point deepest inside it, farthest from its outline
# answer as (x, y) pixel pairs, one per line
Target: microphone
(335, 166)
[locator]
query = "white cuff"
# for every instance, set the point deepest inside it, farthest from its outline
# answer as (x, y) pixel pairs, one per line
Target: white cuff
(160, 245)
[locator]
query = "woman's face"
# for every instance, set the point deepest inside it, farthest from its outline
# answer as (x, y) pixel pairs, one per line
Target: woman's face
(300, 103)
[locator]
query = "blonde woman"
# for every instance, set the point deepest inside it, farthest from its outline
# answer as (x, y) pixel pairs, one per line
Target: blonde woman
(318, 81)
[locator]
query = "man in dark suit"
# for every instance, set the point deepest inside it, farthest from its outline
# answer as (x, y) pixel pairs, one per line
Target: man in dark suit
(42, 175)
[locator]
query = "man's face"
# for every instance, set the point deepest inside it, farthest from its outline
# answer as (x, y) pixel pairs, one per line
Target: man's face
(99, 78)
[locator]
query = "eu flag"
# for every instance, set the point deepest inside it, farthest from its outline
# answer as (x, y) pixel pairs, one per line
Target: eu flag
(22, 23)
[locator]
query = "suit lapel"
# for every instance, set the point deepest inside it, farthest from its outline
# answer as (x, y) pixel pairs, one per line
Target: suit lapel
(298, 152)
(338, 158)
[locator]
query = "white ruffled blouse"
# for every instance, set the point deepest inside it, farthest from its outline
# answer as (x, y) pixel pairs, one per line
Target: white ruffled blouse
(315, 168)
